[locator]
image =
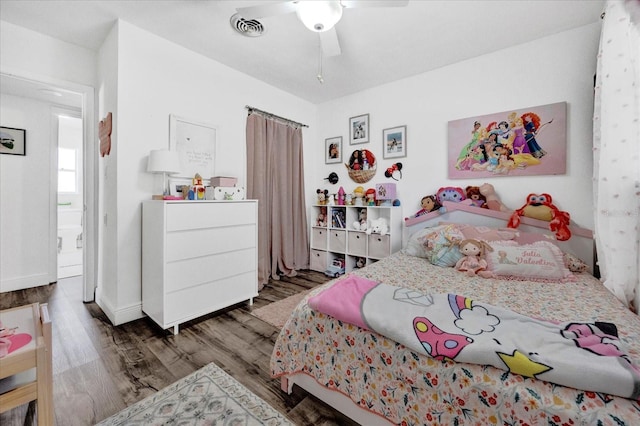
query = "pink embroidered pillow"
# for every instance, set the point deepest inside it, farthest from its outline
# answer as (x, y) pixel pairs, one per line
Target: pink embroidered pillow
(540, 261)
(487, 234)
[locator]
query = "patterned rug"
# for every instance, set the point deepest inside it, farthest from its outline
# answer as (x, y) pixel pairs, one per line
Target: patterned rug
(277, 313)
(208, 396)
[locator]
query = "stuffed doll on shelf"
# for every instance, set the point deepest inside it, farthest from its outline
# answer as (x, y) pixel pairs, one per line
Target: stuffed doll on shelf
(473, 262)
(541, 207)
(429, 203)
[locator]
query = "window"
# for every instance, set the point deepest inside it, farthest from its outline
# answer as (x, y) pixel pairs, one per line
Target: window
(67, 174)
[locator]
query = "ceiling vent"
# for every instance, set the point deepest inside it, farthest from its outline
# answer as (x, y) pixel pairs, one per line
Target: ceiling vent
(247, 27)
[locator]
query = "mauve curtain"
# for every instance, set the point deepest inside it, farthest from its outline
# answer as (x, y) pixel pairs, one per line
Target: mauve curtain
(275, 177)
(616, 151)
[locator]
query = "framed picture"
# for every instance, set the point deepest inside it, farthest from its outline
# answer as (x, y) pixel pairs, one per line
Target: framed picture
(333, 150)
(521, 142)
(13, 141)
(176, 184)
(394, 142)
(359, 129)
(196, 144)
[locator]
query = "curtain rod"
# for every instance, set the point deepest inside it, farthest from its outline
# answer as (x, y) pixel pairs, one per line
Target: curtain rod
(268, 114)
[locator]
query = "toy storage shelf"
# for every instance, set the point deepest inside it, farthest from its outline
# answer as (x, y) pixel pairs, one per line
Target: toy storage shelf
(339, 239)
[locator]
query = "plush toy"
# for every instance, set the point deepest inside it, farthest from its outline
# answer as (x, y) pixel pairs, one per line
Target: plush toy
(450, 193)
(370, 195)
(360, 262)
(473, 262)
(378, 226)
(322, 217)
(361, 223)
(358, 195)
(428, 203)
(541, 207)
(477, 199)
(492, 200)
(322, 196)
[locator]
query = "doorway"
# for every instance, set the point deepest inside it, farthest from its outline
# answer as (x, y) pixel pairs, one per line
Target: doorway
(65, 96)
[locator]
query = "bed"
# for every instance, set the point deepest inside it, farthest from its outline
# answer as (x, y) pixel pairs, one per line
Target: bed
(374, 379)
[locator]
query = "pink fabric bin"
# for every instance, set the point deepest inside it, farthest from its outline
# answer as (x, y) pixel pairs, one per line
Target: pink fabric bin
(223, 181)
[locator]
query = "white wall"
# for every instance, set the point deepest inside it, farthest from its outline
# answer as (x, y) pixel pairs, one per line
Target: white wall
(554, 69)
(157, 78)
(25, 197)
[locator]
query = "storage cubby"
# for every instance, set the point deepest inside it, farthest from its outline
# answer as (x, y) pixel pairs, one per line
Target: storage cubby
(341, 239)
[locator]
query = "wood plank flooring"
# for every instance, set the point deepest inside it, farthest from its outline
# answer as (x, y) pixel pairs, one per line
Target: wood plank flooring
(100, 369)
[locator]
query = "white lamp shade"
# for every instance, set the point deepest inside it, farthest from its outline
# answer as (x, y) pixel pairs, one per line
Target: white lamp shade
(163, 161)
(319, 16)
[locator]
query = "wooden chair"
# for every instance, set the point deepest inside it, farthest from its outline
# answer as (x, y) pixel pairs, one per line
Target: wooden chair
(26, 374)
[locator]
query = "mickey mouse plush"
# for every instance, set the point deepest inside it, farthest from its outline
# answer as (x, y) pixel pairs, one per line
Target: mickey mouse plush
(540, 206)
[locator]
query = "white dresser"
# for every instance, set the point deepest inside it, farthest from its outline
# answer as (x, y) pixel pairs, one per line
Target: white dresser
(197, 257)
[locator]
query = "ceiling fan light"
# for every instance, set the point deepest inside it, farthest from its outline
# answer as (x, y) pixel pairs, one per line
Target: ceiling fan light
(319, 16)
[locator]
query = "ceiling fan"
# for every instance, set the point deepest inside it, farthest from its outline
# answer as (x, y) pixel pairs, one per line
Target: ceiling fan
(318, 16)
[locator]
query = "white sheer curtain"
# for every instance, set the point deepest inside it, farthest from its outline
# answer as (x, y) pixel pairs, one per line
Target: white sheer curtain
(616, 148)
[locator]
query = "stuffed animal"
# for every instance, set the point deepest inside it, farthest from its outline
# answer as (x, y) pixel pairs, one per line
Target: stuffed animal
(473, 262)
(358, 195)
(378, 226)
(477, 199)
(541, 207)
(492, 200)
(322, 217)
(428, 203)
(361, 223)
(360, 262)
(370, 195)
(322, 196)
(450, 193)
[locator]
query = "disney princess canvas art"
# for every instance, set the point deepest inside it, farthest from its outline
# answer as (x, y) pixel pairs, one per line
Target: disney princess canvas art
(527, 141)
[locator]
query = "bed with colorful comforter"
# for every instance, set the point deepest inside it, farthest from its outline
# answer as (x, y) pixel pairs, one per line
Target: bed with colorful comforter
(408, 384)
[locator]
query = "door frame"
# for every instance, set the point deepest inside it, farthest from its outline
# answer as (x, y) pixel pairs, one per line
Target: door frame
(90, 180)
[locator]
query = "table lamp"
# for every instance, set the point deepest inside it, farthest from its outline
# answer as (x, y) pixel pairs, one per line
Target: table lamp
(166, 162)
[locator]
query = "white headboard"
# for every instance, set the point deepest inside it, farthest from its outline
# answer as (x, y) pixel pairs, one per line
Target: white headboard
(580, 244)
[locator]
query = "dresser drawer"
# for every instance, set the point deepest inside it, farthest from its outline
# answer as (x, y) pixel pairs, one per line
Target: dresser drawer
(202, 242)
(357, 243)
(379, 246)
(203, 214)
(318, 260)
(206, 269)
(337, 240)
(185, 304)
(319, 238)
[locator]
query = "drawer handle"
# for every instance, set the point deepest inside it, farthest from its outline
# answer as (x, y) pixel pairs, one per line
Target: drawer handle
(357, 237)
(379, 239)
(320, 232)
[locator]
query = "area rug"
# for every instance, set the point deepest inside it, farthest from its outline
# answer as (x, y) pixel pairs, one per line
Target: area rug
(277, 313)
(208, 396)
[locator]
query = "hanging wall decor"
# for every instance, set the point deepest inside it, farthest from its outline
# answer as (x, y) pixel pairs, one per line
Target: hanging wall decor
(13, 141)
(104, 134)
(359, 129)
(523, 142)
(333, 150)
(196, 144)
(362, 165)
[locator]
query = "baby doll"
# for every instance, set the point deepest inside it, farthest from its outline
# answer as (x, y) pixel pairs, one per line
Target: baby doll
(473, 262)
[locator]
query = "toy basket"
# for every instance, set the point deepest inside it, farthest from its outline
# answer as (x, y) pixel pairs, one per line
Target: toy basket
(361, 176)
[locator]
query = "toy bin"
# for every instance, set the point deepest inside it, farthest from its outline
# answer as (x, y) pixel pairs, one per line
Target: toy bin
(357, 243)
(318, 260)
(223, 181)
(379, 246)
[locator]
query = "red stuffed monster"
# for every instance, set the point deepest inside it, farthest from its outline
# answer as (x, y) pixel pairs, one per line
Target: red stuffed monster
(540, 206)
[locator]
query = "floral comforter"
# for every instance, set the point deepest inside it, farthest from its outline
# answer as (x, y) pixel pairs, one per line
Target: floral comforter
(408, 388)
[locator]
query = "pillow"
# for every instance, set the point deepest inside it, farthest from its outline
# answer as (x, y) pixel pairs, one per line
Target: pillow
(533, 237)
(414, 245)
(540, 261)
(439, 245)
(573, 263)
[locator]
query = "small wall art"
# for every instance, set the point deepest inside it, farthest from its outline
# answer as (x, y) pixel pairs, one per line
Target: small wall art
(333, 150)
(359, 129)
(13, 141)
(196, 143)
(394, 141)
(522, 142)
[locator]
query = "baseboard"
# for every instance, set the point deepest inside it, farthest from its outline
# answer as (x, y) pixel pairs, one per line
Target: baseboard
(120, 315)
(24, 282)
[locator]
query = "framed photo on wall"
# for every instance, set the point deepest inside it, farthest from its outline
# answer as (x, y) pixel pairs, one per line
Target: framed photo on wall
(520, 142)
(333, 150)
(196, 144)
(394, 142)
(359, 129)
(13, 141)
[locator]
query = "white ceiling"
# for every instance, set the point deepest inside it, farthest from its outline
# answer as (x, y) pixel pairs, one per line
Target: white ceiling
(379, 45)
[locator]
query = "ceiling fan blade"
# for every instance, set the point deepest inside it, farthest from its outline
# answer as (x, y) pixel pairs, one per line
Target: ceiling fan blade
(264, 10)
(329, 43)
(376, 3)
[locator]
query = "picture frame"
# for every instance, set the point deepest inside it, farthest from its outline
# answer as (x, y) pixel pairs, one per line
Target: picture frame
(394, 142)
(529, 141)
(13, 141)
(176, 184)
(333, 150)
(196, 143)
(359, 129)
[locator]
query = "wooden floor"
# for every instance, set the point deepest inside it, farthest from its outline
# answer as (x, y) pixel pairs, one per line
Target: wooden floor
(100, 369)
